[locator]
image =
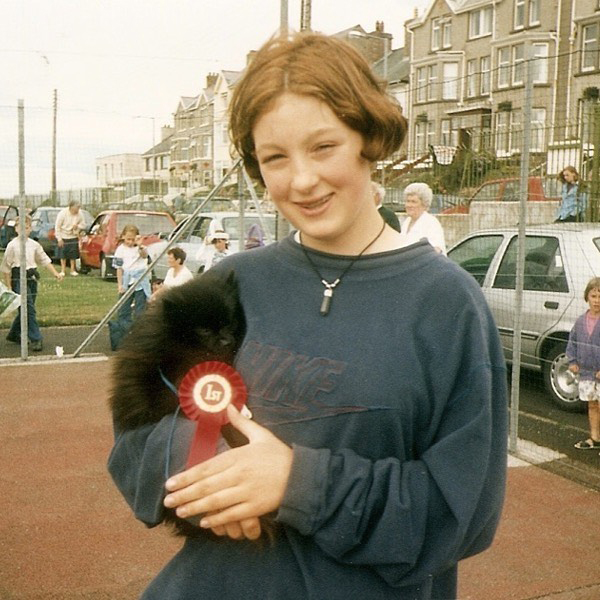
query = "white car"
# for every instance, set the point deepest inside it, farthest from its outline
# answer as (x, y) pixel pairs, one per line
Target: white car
(560, 259)
(196, 231)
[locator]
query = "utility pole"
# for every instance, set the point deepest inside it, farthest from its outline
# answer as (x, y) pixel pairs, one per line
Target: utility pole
(53, 182)
(283, 17)
(305, 16)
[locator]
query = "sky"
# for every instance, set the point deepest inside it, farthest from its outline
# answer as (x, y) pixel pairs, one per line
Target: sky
(120, 67)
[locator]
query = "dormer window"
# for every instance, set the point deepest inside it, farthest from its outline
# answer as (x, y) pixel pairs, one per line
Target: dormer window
(441, 33)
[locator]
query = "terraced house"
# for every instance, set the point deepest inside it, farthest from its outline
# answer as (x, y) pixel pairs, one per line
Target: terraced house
(468, 70)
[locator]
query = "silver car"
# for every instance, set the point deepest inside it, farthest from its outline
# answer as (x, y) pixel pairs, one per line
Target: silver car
(196, 231)
(560, 259)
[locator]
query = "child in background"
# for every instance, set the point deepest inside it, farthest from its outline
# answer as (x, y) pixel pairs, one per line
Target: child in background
(583, 352)
(130, 261)
(11, 268)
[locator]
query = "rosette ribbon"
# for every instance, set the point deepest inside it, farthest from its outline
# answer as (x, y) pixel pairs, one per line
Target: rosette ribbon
(204, 395)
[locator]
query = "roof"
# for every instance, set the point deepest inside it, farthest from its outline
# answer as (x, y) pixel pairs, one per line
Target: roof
(398, 66)
(162, 147)
(456, 6)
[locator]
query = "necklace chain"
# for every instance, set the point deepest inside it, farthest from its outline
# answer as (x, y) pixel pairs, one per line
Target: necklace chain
(330, 286)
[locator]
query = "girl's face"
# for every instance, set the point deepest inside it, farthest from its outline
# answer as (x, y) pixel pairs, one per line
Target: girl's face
(593, 300)
(413, 206)
(221, 245)
(569, 176)
(312, 166)
(129, 239)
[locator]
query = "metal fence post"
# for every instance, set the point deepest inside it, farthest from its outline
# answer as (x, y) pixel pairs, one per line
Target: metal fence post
(518, 320)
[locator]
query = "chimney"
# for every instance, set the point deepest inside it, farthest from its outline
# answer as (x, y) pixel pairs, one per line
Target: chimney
(165, 132)
(211, 79)
(379, 28)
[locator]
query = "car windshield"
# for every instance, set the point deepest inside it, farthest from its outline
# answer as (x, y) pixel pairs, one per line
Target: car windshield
(232, 226)
(147, 224)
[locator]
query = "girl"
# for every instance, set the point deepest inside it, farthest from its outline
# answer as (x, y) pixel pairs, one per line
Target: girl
(583, 352)
(573, 202)
(374, 371)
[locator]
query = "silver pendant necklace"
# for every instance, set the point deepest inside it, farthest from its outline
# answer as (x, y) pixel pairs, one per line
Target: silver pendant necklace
(330, 286)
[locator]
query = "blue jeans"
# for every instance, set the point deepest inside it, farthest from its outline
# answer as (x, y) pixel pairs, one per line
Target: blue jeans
(33, 329)
(125, 317)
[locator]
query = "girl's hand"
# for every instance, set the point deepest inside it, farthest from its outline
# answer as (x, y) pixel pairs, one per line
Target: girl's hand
(247, 529)
(574, 368)
(236, 486)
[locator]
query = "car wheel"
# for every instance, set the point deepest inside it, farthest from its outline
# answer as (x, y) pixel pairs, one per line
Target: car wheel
(558, 381)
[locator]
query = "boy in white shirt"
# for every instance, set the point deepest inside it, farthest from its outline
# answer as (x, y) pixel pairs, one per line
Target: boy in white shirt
(11, 269)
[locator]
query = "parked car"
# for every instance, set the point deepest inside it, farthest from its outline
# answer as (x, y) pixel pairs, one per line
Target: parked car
(509, 190)
(43, 219)
(184, 207)
(196, 230)
(8, 214)
(98, 245)
(560, 259)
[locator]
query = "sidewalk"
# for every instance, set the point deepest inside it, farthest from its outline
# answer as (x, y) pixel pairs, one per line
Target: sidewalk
(67, 533)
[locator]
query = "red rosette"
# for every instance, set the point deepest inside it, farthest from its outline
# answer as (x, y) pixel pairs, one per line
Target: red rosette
(204, 394)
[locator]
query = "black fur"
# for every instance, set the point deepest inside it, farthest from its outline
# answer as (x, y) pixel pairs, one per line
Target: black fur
(198, 321)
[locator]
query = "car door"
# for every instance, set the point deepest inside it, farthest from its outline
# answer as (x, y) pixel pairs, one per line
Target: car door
(545, 293)
(91, 245)
(477, 254)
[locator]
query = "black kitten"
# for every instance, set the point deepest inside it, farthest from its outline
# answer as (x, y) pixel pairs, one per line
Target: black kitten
(192, 323)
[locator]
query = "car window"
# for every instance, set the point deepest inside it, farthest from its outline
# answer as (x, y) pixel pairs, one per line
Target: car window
(552, 187)
(146, 223)
(232, 225)
(487, 192)
(476, 254)
(543, 270)
(512, 191)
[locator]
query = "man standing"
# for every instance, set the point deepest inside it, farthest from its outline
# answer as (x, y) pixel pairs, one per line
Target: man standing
(69, 222)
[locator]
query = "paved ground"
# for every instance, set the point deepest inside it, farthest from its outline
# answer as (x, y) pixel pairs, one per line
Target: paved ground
(67, 534)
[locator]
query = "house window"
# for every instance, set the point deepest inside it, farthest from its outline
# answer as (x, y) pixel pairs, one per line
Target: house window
(420, 139)
(205, 148)
(441, 33)
(471, 78)
(516, 131)
(430, 133)
(534, 12)
(518, 64)
(519, 22)
(484, 67)
(432, 82)
(436, 34)
(540, 63)
(148, 164)
(224, 133)
(538, 120)
(589, 47)
(446, 132)
(503, 67)
(450, 81)
(502, 120)
(421, 84)
(480, 22)
(447, 34)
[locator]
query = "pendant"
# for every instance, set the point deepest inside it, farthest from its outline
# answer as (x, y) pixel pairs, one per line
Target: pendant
(326, 303)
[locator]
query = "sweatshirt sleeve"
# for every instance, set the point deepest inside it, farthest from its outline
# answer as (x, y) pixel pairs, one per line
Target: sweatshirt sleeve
(414, 518)
(139, 461)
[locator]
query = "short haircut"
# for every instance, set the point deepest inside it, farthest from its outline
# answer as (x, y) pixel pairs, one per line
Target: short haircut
(561, 176)
(421, 191)
(178, 254)
(74, 203)
(27, 220)
(324, 68)
(593, 283)
(130, 229)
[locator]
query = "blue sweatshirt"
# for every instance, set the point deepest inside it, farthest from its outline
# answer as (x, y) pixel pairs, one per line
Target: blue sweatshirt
(395, 406)
(583, 349)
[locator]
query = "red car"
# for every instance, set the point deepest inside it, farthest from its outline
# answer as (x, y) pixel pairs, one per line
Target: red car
(98, 245)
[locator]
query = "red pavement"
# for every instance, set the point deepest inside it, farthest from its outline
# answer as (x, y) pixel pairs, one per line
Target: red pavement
(67, 534)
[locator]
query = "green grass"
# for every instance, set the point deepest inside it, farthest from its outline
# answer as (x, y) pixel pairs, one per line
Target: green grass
(82, 300)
